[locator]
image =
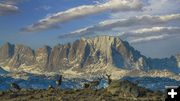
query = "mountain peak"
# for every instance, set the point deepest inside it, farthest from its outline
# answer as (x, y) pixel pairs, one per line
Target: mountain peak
(6, 51)
(6, 43)
(84, 53)
(105, 38)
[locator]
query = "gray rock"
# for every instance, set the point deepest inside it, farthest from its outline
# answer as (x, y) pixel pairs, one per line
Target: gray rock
(126, 89)
(6, 51)
(83, 53)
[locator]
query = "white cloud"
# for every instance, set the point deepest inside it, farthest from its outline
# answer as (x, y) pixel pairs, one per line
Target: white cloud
(153, 31)
(151, 34)
(142, 21)
(78, 12)
(7, 9)
(9, 6)
(152, 7)
(162, 6)
(149, 38)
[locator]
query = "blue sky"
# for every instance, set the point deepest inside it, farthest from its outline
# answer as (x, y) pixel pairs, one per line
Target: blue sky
(151, 26)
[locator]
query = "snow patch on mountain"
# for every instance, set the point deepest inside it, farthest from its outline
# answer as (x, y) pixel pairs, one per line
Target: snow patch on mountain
(2, 71)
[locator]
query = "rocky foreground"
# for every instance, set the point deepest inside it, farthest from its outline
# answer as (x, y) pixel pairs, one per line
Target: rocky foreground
(117, 91)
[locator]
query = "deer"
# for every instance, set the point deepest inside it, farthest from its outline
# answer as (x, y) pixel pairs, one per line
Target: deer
(15, 87)
(59, 81)
(137, 81)
(50, 87)
(92, 84)
(109, 78)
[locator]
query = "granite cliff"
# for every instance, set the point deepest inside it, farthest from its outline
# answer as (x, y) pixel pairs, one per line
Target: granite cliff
(83, 54)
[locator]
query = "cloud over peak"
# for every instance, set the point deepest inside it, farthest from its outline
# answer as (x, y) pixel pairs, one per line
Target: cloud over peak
(148, 38)
(84, 10)
(151, 34)
(173, 30)
(145, 21)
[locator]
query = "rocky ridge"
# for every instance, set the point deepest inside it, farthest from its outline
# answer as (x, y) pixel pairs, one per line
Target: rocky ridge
(84, 54)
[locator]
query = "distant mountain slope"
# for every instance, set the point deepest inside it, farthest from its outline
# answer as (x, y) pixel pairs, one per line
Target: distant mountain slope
(82, 55)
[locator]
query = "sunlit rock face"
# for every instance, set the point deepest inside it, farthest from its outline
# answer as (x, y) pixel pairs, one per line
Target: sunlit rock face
(23, 55)
(42, 56)
(83, 54)
(178, 60)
